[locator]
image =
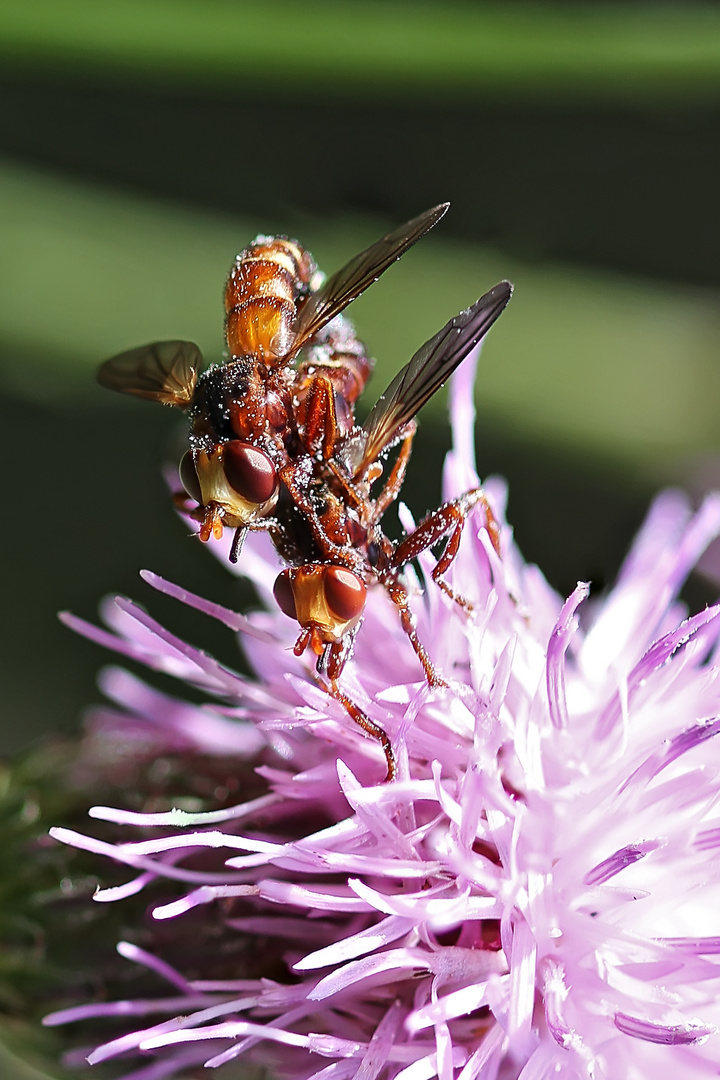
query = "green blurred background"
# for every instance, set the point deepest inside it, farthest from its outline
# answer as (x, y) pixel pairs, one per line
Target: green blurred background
(143, 144)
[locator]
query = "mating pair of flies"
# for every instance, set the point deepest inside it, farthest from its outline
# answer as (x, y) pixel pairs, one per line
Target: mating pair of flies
(274, 444)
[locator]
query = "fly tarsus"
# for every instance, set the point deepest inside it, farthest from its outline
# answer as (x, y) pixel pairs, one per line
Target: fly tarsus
(448, 520)
(398, 595)
(368, 726)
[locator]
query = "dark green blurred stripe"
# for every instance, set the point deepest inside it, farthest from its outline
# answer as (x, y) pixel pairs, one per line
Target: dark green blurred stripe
(624, 367)
(617, 51)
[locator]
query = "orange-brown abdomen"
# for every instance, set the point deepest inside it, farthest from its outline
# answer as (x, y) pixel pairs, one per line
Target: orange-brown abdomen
(260, 297)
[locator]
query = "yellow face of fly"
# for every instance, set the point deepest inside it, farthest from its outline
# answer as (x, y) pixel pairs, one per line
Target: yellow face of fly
(216, 491)
(326, 599)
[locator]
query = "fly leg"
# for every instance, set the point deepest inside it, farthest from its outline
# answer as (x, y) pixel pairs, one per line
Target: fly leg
(353, 488)
(369, 727)
(400, 598)
(394, 482)
(319, 419)
(295, 480)
(449, 521)
(331, 664)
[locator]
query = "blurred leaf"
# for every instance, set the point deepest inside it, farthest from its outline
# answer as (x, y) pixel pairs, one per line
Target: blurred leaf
(617, 365)
(83, 268)
(13, 1068)
(626, 51)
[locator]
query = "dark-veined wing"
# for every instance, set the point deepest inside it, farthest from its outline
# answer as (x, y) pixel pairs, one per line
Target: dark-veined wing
(426, 372)
(164, 371)
(353, 278)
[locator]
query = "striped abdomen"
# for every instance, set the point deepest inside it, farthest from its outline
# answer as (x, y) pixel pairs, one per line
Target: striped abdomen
(260, 297)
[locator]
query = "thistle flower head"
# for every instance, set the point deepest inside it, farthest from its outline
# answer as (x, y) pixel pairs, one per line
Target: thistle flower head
(536, 896)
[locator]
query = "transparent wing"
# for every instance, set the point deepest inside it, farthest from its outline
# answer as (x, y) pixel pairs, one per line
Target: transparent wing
(353, 278)
(426, 372)
(164, 371)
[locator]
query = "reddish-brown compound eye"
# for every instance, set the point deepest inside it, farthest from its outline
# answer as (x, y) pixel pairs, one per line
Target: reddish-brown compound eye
(283, 593)
(249, 471)
(189, 477)
(344, 593)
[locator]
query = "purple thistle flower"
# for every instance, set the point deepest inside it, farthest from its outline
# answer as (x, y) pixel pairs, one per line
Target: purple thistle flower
(537, 895)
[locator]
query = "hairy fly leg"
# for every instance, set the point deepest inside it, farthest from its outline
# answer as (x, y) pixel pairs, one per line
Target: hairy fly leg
(448, 520)
(331, 664)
